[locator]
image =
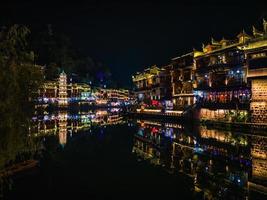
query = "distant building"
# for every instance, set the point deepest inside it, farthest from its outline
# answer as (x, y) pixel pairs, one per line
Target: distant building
(63, 90)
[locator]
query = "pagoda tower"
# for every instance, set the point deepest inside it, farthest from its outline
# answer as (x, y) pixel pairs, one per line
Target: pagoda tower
(62, 90)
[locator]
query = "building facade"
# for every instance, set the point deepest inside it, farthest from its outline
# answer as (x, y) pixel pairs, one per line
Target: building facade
(221, 85)
(152, 86)
(256, 54)
(231, 78)
(182, 80)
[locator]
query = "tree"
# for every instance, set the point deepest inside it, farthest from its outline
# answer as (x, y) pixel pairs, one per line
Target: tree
(19, 77)
(55, 51)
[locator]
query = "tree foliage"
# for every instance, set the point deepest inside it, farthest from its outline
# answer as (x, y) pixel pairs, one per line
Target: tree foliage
(20, 77)
(56, 51)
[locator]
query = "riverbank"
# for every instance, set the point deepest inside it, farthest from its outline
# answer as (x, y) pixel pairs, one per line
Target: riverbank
(19, 168)
(157, 116)
(256, 128)
(77, 107)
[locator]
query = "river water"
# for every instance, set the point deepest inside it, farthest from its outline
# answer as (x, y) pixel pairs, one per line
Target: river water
(101, 154)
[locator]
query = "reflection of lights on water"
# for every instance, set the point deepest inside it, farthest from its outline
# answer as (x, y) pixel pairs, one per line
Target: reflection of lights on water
(62, 116)
(198, 150)
(115, 109)
(210, 162)
(34, 118)
(101, 112)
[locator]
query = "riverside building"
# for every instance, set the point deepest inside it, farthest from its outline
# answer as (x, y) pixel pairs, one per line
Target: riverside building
(226, 80)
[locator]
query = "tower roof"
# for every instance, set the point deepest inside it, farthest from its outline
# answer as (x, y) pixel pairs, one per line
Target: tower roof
(243, 34)
(63, 73)
(214, 42)
(256, 32)
(223, 40)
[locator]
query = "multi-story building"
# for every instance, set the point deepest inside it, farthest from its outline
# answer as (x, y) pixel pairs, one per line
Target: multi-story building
(153, 84)
(227, 79)
(182, 80)
(256, 56)
(232, 73)
(221, 84)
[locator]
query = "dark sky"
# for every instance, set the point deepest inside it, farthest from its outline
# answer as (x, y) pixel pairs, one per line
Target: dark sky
(131, 36)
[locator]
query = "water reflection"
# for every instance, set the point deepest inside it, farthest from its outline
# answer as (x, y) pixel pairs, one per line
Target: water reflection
(66, 124)
(24, 142)
(222, 164)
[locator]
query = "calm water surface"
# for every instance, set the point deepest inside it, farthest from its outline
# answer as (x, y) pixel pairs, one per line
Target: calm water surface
(99, 154)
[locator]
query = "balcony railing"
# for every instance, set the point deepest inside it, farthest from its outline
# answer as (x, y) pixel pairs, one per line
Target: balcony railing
(244, 105)
(219, 66)
(148, 87)
(221, 85)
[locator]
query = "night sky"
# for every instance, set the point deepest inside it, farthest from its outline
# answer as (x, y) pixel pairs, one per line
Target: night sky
(128, 37)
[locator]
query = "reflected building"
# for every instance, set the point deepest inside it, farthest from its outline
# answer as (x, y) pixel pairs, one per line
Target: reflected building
(221, 163)
(62, 128)
(259, 160)
(62, 123)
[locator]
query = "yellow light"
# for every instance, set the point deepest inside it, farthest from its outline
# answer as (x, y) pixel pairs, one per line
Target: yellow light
(151, 110)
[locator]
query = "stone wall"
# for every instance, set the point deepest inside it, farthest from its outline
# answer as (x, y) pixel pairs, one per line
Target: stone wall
(258, 104)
